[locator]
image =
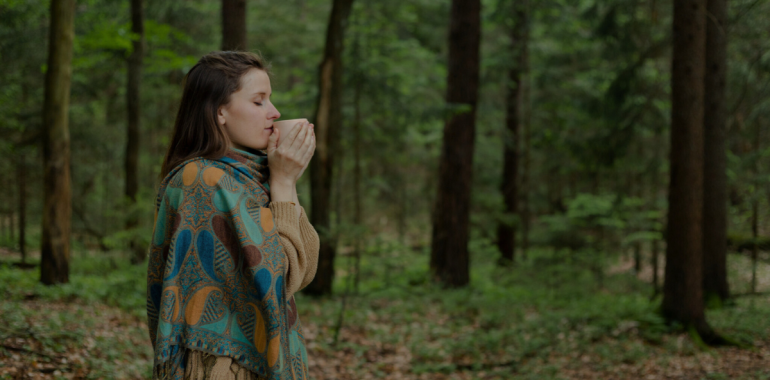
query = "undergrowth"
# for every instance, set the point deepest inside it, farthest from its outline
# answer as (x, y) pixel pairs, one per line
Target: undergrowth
(512, 319)
(509, 320)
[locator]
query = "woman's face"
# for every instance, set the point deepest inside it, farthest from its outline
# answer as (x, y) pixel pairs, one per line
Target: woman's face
(248, 117)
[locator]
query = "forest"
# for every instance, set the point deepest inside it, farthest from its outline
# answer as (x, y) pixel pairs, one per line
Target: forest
(503, 189)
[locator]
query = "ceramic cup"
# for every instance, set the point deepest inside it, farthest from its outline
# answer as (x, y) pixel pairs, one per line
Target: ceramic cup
(285, 126)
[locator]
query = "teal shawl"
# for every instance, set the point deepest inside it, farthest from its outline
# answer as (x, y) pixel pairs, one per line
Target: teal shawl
(215, 281)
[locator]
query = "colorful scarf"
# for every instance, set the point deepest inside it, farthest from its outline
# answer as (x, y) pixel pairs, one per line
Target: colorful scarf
(215, 281)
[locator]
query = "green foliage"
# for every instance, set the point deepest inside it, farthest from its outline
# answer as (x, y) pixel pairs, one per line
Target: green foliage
(72, 320)
(595, 228)
(596, 107)
(521, 315)
(597, 111)
(94, 278)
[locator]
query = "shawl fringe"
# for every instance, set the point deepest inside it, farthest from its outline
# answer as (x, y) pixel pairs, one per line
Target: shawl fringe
(199, 365)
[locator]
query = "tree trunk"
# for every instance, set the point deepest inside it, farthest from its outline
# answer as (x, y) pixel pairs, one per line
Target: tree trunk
(637, 257)
(683, 286)
(714, 155)
(656, 186)
(527, 167)
(327, 124)
(636, 189)
(449, 248)
(6, 230)
(21, 181)
(506, 233)
(8, 226)
(358, 212)
(655, 260)
(754, 247)
(132, 144)
(234, 25)
(57, 211)
(12, 216)
(755, 208)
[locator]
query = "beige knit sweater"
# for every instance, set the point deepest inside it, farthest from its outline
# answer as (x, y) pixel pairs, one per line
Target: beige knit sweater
(301, 245)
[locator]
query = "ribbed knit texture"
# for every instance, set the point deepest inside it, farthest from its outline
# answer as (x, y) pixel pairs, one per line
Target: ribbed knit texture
(300, 243)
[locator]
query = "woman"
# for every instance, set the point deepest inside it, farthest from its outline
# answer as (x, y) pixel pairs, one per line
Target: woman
(231, 243)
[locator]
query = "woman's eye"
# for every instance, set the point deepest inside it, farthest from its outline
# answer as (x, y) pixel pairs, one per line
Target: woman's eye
(257, 103)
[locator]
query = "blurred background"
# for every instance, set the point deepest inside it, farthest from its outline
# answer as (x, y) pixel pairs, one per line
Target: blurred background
(548, 263)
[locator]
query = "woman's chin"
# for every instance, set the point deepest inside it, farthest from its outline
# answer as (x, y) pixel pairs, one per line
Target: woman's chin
(259, 147)
(247, 147)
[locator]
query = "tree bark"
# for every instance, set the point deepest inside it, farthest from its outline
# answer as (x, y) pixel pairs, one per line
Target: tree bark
(358, 212)
(754, 247)
(714, 157)
(655, 249)
(234, 25)
(21, 181)
(6, 235)
(683, 284)
(637, 187)
(527, 167)
(57, 210)
(755, 208)
(134, 112)
(12, 215)
(637, 258)
(506, 233)
(449, 248)
(327, 125)
(656, 186)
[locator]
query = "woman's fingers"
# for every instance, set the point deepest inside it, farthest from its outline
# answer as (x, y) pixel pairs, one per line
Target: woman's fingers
(292, 135)
(308, 149)
(307, 144)
(296, 149)
(308, 155)
(272, 141)
(288, 143)
(308, 152)
(301, 135)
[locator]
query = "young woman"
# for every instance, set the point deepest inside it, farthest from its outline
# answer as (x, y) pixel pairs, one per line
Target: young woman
(231, 243)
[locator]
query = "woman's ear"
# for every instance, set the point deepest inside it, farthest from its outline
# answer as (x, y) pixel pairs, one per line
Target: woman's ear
(221, 115)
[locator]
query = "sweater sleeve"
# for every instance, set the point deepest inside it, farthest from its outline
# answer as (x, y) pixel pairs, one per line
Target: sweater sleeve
(300, 244)
(312, 246)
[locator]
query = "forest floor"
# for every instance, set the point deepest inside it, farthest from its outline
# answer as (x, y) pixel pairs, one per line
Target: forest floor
(538, 320)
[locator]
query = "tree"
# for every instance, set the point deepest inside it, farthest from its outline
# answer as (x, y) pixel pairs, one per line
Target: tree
(506, 231)
(683, 286)
(234, 25)
(21, 181)
(133, 100)
(328, 121)
(714, 157)
(55, 245)
(449, 246)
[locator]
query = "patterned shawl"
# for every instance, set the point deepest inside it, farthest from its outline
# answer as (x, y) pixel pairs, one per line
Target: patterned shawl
(215, 281)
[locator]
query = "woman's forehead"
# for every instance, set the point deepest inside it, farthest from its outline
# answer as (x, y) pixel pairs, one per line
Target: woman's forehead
(255, 81)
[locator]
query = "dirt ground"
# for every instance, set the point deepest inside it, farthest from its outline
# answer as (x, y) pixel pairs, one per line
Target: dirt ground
(24, 357)
(98, 341)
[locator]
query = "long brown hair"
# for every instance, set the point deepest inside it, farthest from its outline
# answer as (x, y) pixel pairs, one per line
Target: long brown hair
(207, 86)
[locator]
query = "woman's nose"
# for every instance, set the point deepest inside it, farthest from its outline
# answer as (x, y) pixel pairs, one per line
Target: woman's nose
(273, 114)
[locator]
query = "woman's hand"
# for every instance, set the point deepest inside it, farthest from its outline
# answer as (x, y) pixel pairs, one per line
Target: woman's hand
(312, 151)
(289, 159)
